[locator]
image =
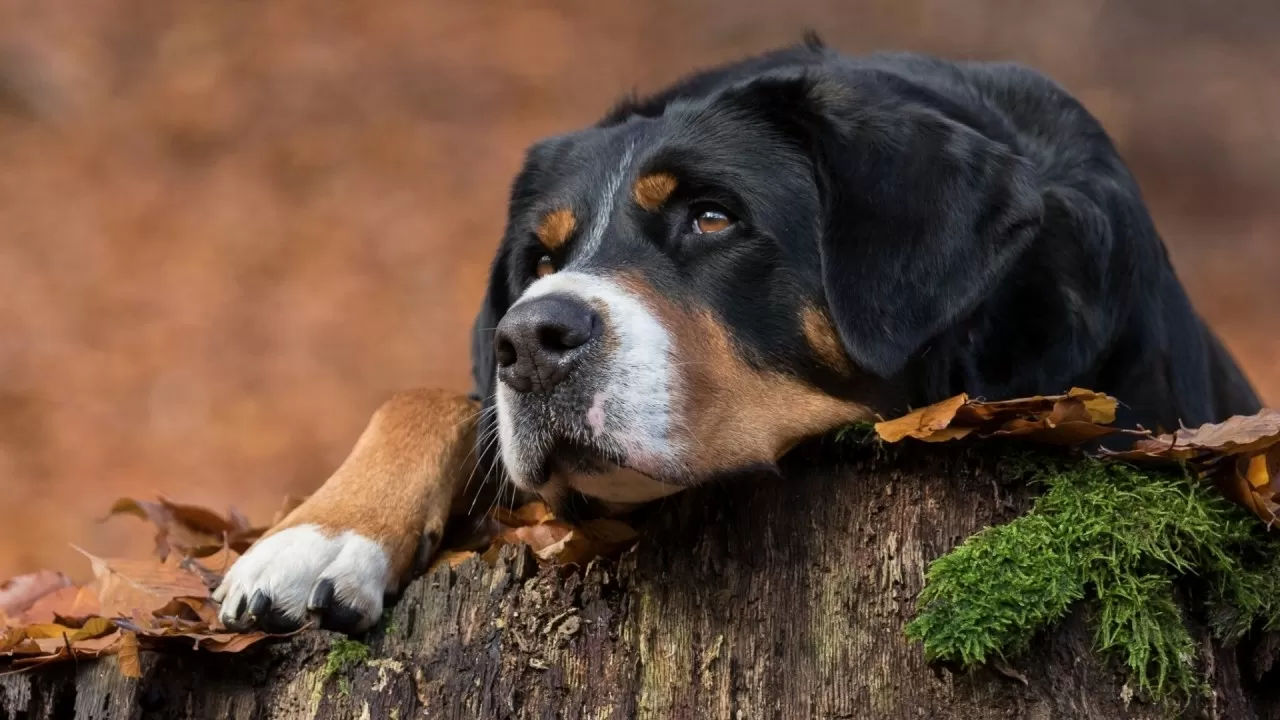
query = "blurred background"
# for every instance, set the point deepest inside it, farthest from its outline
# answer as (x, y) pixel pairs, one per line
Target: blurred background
(229, 229)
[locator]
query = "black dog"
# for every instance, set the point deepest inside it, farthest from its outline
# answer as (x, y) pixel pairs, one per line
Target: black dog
(757, 255)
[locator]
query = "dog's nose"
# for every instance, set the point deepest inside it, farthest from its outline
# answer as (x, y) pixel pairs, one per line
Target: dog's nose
(539, 341)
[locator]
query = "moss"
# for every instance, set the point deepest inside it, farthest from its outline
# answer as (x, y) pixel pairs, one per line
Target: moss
(1122, 539)
(859, 433)
(343, 655)
(389, 624)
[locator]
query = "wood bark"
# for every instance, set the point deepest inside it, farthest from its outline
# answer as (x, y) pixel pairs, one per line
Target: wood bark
(764, 600)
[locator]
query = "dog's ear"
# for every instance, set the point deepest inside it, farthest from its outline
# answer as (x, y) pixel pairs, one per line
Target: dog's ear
(922, 214)
(497, 298)
(484, 363)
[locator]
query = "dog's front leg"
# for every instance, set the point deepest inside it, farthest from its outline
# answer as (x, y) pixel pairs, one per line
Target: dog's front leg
(361, 534)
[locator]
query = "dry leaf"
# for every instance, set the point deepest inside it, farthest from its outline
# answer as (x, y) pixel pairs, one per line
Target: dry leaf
(923, 423)
(533, 513)
(189, 529)
(593, 539)
(130, 663)
(69, 602)
(95, 647)
(92, 628)
(20, 593)
(192, 609)
(127, 587)
(210, 568)
(10, 638)
(538, 537)
(1241, 434)
(452, 558)
(1077, 417)
(1241, 455)
(229, 642)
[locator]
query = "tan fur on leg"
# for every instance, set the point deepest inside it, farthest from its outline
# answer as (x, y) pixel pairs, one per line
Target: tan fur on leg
(356, 537)
(401, 477)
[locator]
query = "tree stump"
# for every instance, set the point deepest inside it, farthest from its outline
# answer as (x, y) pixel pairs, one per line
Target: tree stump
(760, 600)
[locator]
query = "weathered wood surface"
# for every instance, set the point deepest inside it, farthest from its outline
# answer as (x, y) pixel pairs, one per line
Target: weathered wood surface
(769, 601)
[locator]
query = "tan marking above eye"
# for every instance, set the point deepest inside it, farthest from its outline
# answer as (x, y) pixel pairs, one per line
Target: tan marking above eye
(652, 190)
(546, 266)
(711, 221)
(556, 228)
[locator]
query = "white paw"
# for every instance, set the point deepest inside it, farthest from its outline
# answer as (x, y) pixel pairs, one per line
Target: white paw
(297, 573)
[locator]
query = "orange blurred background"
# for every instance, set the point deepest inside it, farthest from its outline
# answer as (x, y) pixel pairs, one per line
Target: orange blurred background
(229, 229)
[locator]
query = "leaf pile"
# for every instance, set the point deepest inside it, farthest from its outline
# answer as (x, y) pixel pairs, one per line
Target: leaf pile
(164, 603)
(552, 540)
(1241, 455)
(1071, 419)
(193, 530)
(129, 605)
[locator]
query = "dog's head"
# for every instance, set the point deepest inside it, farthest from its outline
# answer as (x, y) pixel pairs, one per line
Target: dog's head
(698, 283)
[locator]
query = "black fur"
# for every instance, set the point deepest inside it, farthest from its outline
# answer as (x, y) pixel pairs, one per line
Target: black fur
(969, 226)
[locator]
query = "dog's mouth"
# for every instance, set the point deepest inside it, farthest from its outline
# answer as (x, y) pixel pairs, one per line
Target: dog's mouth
(569, 458)
(600, 473)
(548, 458)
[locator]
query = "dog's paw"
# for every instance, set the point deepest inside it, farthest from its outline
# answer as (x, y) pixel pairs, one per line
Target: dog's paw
(301, 573)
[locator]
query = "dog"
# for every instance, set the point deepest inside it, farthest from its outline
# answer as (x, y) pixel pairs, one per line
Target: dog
(759, 254)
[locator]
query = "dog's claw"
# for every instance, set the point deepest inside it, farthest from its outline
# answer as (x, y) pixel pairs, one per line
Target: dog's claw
(259, 606)
(321, 596)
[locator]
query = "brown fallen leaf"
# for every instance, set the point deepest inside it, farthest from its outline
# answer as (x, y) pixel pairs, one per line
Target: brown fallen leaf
(69, 602)
(20, 593)
(130, 662)
(23, 648)
(537, 537)
(95, 647)
(924, 423)
(1249, 480)
(1240, 455)
(452, 558)
(1241, 434)
(192, 609)
(229, 642)
(166, 631)
(189, 529)
(532, 513)
(92, 628)
(595, 538)
(10, 638)
(1076, 417)
(126, 587)
(210, 568)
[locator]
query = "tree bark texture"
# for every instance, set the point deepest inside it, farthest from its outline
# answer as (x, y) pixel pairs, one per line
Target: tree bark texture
(768, 600)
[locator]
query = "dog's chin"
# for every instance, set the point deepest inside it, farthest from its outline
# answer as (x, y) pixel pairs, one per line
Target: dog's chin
(598, 473)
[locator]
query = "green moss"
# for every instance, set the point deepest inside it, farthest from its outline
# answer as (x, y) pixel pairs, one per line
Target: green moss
(390, 627)
(1119, 538)
(859, 433)
(343, 655)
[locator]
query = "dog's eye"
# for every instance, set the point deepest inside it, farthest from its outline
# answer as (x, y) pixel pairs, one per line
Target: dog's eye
(711, 220)
(545, 266)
